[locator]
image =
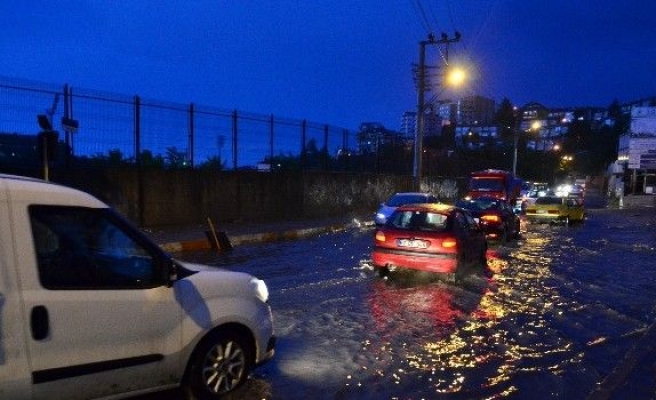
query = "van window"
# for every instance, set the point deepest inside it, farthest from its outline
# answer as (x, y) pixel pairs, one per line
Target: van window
(86, 248)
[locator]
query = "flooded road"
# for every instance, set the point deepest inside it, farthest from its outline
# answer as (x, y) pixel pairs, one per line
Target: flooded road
(564, 309)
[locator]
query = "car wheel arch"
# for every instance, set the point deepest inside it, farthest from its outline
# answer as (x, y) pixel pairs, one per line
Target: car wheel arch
(237, 331)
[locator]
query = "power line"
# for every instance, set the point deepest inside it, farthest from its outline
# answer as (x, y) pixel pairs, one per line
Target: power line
(422, 15)
(433, 15)
(427, 16)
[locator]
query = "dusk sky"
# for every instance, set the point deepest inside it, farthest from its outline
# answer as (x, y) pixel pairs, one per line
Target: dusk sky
(333, 61)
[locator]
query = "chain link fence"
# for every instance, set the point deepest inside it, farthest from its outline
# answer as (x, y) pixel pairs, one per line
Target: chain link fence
(100, 127)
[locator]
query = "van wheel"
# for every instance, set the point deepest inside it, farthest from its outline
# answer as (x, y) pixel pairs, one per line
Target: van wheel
(220, 364)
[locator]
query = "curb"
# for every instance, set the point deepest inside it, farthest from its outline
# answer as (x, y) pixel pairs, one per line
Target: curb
(204, 244)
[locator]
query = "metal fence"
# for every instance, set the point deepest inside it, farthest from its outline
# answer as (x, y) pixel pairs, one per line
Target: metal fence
(130, 128)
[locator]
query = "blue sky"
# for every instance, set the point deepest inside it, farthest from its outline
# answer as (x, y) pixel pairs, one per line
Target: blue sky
(333, 61)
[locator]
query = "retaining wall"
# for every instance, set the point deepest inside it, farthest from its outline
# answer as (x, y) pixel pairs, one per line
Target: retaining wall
(156, 198)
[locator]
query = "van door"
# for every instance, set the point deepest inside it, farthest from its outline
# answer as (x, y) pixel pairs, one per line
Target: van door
(101, 319)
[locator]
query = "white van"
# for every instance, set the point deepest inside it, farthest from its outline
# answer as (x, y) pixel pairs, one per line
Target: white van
(92, 308)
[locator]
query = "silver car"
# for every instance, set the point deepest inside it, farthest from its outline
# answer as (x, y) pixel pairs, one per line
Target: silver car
(398, 199)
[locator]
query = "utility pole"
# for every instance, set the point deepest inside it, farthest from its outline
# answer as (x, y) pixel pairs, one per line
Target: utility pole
(518, 119)
(421, 83)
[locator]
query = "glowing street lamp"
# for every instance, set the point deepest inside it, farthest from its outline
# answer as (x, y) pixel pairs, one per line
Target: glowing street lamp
(421, 107)
(456, 77)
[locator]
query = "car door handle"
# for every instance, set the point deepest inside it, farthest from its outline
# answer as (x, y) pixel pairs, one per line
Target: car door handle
(39, 323)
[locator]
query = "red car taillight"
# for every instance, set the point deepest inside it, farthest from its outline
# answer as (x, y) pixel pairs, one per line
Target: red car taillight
(449, 243)
(380, 236)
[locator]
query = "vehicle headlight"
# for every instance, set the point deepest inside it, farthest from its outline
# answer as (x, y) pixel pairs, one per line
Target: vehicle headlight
(381, 216)
(260, 289)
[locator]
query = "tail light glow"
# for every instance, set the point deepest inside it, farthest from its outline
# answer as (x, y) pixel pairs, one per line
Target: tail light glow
(449, 243)
(380, 236)
(491, 218)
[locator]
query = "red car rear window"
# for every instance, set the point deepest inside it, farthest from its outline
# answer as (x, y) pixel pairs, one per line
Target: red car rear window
(419, 220)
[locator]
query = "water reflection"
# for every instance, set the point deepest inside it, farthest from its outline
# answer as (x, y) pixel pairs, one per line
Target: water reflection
(488, 337)
(412, 306)
(415, 337)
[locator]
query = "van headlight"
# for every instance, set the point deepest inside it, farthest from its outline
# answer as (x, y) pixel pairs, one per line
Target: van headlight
(260, 289)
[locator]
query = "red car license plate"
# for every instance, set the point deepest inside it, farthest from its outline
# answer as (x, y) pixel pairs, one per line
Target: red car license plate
(413, 243)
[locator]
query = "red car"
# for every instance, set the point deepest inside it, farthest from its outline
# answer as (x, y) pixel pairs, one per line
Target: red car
(430, 237)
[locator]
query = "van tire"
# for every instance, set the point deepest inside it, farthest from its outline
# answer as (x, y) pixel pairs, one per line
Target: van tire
(220, 364)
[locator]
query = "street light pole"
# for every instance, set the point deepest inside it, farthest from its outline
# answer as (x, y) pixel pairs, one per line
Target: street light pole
(516, 140)
(419, 132)
(421, 83)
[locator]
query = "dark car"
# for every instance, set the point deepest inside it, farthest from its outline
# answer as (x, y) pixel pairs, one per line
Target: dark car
(430, 237)
(496, 217)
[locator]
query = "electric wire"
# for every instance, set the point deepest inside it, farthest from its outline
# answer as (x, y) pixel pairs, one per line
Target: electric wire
(419, 9)
(434, 17)
(427, 13)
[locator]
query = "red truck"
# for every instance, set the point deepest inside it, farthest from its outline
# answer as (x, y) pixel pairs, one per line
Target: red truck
(495, 183)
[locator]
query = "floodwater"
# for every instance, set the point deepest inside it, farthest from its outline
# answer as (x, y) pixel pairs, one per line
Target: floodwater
(564, 314)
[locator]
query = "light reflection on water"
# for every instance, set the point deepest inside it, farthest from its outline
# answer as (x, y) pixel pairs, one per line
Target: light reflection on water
(550, 323)
(480, 339)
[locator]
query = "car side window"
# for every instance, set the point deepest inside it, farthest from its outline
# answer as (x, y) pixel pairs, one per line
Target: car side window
(85, 248)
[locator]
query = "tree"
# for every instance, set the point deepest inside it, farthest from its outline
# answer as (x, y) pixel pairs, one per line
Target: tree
(579, 135)
(603, 149)
(176, 158)
(115, 158)
(506, 121)
(149, 160)
(214, 162)
(284, 162)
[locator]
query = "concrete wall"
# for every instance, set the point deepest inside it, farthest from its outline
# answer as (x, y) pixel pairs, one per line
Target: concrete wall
(157, 198)
(639, 201)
